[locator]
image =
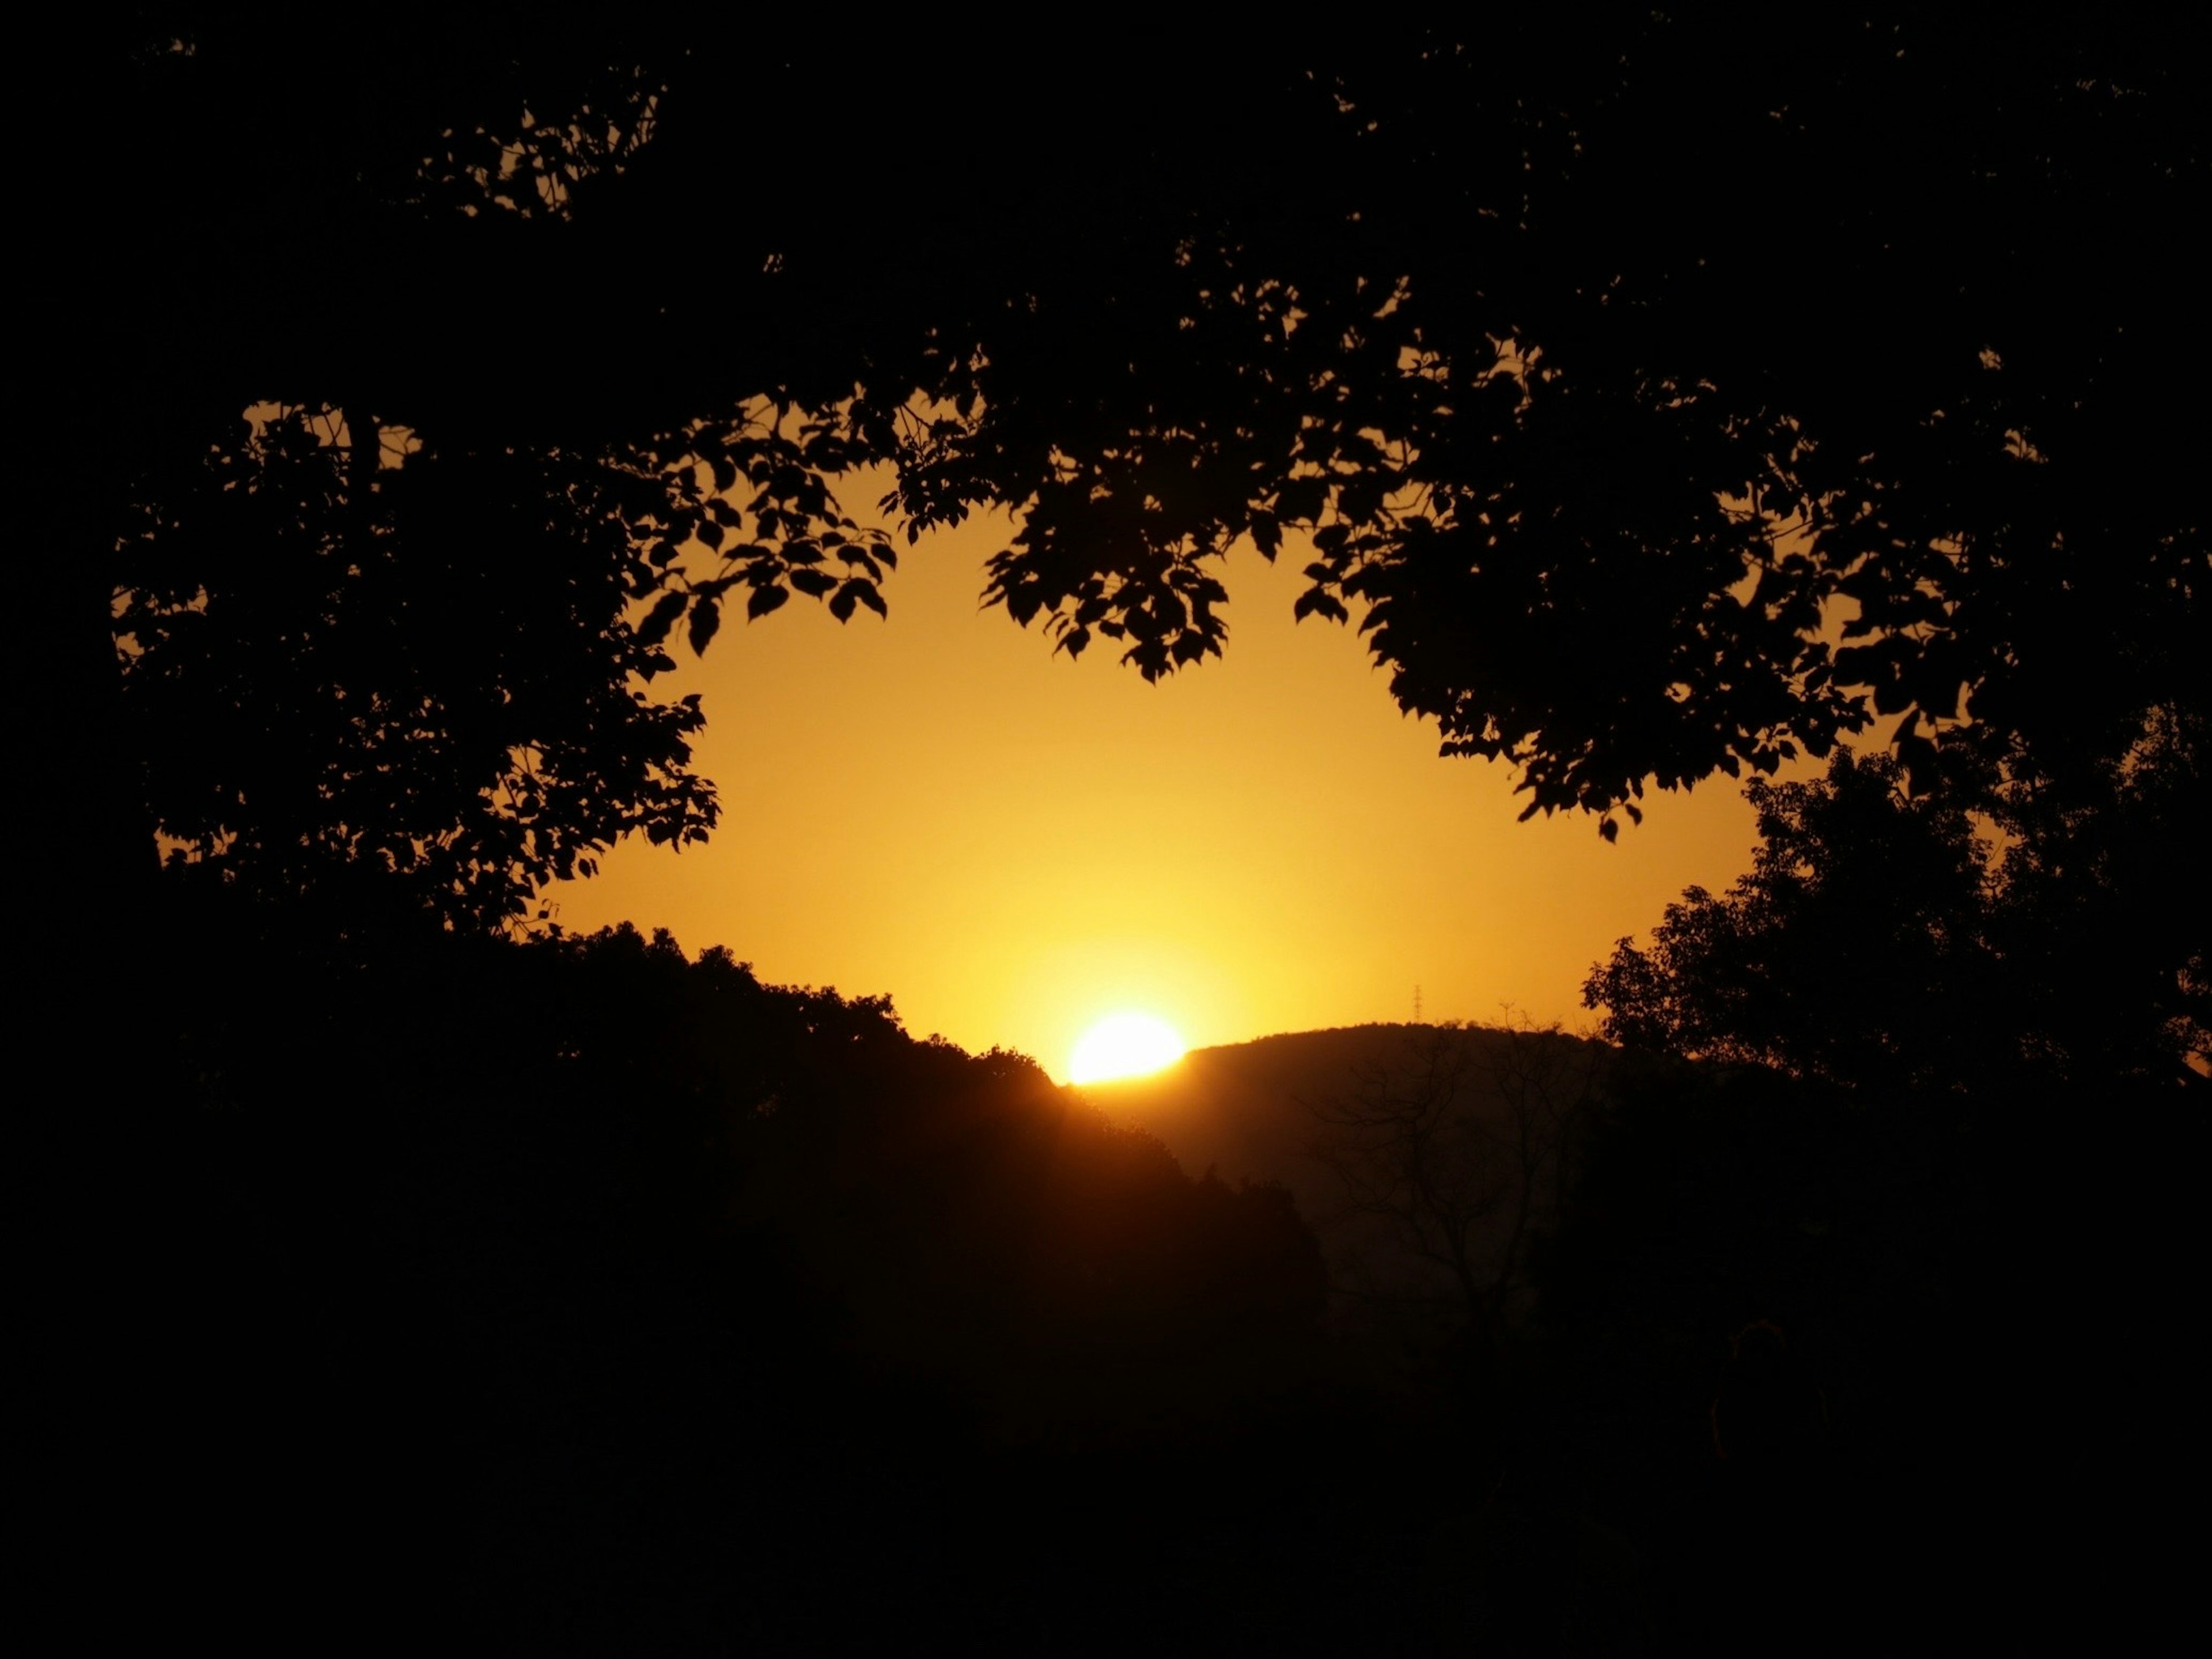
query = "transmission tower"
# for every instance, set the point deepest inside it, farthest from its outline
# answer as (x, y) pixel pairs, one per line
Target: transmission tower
(1417, 1005)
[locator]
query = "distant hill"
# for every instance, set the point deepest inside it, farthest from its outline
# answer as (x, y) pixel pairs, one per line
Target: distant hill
(1352, 1119)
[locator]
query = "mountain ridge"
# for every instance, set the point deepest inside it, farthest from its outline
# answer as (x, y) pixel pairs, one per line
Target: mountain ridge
(1341, 1116)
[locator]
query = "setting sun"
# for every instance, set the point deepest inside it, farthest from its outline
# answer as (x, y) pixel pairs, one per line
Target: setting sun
(1124, 1045)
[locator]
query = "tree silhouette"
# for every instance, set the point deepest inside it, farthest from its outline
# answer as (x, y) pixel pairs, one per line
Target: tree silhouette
(413, 645)
(1531, 370)
(1856, 947)
(1879, 939)
(323, 671)
(1598, 470)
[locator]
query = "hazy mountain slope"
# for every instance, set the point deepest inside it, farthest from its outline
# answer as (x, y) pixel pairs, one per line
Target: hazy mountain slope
(1272, 1110)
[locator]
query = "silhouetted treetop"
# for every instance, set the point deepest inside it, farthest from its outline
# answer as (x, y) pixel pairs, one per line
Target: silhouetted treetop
(1892, 940)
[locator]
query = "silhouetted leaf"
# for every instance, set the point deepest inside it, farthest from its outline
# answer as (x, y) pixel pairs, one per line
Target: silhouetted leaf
(706, 621)
(1266, 534)
(662, 618)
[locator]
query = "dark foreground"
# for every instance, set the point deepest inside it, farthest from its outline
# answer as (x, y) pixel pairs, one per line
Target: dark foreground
(573, 1297)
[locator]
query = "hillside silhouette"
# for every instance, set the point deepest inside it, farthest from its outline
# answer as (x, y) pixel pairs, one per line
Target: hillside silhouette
(582, 1295)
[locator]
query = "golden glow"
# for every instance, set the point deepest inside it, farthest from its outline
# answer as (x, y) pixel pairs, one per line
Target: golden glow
(938, 807)
(1124, 1045)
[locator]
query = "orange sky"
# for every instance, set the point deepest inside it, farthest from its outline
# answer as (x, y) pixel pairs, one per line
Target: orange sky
(1012, 845)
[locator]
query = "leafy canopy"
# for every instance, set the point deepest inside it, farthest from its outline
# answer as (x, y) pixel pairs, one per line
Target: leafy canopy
(1654, 411)
(1891, 940)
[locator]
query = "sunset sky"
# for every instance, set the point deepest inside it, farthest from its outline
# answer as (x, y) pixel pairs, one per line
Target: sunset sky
(1012, 845)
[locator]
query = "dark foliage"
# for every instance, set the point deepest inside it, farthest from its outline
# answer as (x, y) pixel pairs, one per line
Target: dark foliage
(1857, 946)
(437, 685)
(1603, 366)
(1603, 387)
(1891, 940)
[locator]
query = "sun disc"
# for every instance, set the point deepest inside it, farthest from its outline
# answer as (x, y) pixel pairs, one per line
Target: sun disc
(1124, 1045)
